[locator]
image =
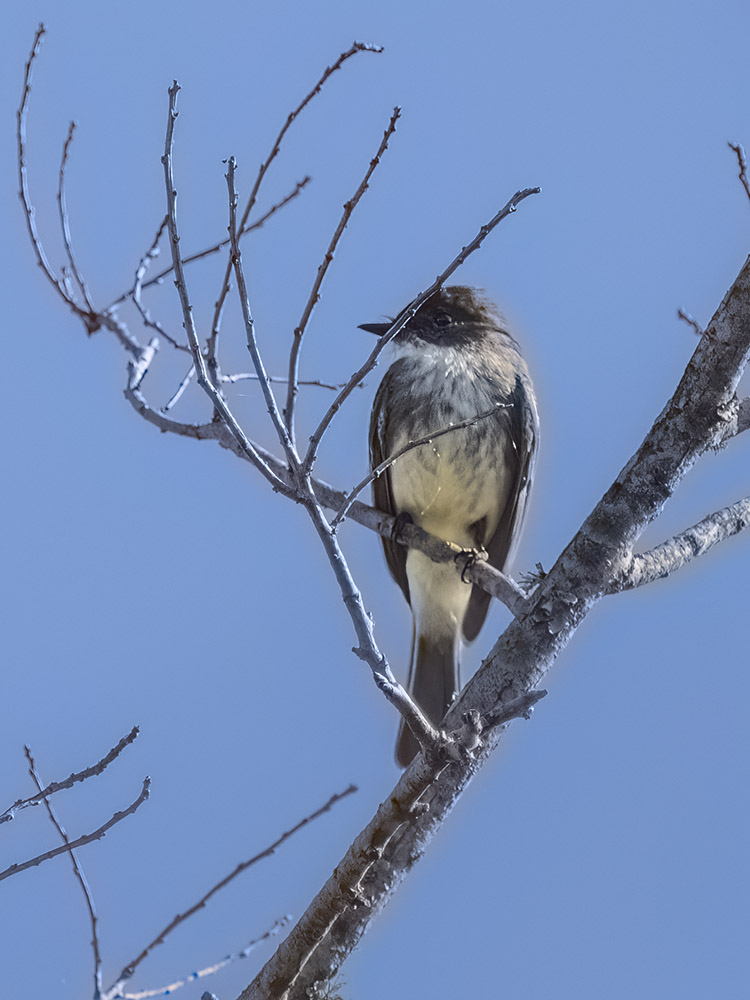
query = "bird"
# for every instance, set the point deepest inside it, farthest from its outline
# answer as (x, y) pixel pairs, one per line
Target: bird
(455, 360)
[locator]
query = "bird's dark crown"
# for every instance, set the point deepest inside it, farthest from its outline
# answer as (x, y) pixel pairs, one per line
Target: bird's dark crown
(451, 315)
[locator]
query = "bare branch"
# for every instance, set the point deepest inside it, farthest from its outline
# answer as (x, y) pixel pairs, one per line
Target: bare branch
(87, 838)
(684, 547)
(77, 871)
(204, 381)
(328, 72)
(130, 968)
(131, 344)
(177, 394)
(409, 446)
(151, 254)
(212, 431)
(282, 432)
(65, 222)
(72, 779)
(210, 970)
(403, 318)
(687, 318)
(23, 183)
(314, 296)
(243, 376)
(739, 149)
(208, 251)
(138, 367)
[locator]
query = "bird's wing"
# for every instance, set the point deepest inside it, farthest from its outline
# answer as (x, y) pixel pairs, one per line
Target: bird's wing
(522, 434)
(380, 449)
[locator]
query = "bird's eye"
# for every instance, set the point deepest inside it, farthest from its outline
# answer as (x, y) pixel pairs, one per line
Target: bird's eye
(442, 319)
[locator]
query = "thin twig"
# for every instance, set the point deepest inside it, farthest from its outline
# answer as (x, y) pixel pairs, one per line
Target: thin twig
(282, 379)
(242, 377)
(739, 149)
(130, 968)
(65, 222)
(403, 318)
(23, 184)
(158, 278)
(282, 431)
(184, 383)
(77, 871)
(410, 446)
(72, 779)
(209, 970)
(145, 262)
(87, 838)
(314, 296)
(204, 381)
(328, 72)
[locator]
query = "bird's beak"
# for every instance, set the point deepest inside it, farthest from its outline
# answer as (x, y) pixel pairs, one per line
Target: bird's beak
(377, 328)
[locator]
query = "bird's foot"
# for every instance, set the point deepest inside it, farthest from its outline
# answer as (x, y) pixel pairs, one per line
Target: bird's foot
(466, 558)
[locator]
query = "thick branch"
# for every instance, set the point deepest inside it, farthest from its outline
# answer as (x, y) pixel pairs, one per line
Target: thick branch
(683, 548)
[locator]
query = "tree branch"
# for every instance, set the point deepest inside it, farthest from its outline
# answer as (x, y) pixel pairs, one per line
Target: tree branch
(314, 296)
(208, 251)
(210, 970)
(286, 438)
(204, 381)
(327, 73)
(81, 841)
(128, 971)
(72, 779)
(77, 871)
(65, 222)
(684, 547)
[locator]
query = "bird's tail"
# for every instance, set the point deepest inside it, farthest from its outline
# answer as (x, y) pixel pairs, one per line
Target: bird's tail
(433, 683)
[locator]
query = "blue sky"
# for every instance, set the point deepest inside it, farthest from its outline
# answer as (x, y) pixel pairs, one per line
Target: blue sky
(158, 581)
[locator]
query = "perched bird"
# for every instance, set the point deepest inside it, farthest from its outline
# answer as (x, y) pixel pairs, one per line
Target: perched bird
(455, 361)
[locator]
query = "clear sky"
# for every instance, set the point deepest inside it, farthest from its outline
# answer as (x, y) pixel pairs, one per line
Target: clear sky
(151, 580)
